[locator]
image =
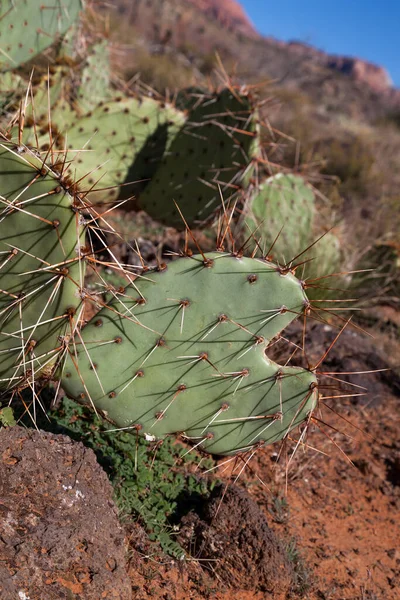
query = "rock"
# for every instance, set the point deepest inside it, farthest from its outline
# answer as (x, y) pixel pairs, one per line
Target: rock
(360, 71)
(60, 537)
(376, 77)
(228, 13)
(231, 538)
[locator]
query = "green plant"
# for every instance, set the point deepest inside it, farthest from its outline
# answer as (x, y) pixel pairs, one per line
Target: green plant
(284, 202)
(27, 28)
(11, 88)
(95, 85)
(302, 575)
(120, 141)
(7, 417)
(177, 333)
(40, 240)
(153, 483)
(184, 341)
(282, 212)
(139, 143)
(279, 509)
(210, 156)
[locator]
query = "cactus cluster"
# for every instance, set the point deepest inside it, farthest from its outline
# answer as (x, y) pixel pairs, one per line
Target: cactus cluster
(182, 348)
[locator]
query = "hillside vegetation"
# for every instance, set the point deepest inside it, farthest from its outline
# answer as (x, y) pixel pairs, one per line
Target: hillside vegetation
(341, 132)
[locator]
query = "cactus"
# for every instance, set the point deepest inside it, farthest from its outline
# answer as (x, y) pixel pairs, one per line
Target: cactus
(121, 141)
(11, 89)
(69, 50)
(210, 155)
(46, 96)
(95, 78)
(138, 143)
(285, 205)
(183, 349)
(283, 201)
(28, 27)
(39, 245)
(188, 340)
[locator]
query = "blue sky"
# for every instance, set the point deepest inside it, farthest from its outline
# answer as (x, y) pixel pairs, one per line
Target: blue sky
(368, 29)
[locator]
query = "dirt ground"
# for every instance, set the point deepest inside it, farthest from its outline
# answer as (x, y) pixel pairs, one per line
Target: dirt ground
(335, 505)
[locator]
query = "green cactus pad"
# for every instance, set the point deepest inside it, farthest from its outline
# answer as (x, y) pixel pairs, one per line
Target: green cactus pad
(183, 350)
(12, 86)
(325, 259)
(28, 27)
(95, 79)
(210, 155)
(282, 201)
(47, 94)
(39, 271)
(287, 203)
(68, 52)
(121, 141)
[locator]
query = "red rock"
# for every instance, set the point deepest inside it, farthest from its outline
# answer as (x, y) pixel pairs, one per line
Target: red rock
(229, 13)
(375, 76)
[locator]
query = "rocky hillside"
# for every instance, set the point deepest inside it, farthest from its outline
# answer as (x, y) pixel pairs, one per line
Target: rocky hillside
(200, 28)
(229, 13)
(339, 116)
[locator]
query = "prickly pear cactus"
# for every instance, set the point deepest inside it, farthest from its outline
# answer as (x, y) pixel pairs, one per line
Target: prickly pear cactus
(70, 49)
(282, 201)
(285, 205)
(324, 258)
(46, 95)
(11, 89)
(95, 79)
(28, 27)
(40, 238)
(121, 141)
(211, 155)
(184, 350)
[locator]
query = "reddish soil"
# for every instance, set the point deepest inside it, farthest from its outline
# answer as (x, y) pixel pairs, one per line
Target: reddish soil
(345, 517)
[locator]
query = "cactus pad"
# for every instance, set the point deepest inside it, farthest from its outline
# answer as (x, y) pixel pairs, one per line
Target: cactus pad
(121, 141)
(28, 27)
(211, 154)
(95, 79)
(283, 201)
(11, 88)
(39, 271)
(183, 350)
